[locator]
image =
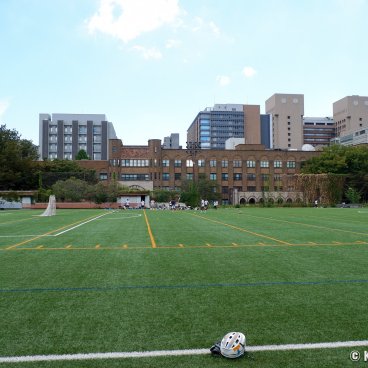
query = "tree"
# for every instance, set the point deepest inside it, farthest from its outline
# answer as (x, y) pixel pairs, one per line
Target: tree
(192, 192)
(17, 156)
(72, 189)
(82, 155)
(161, 195)
(352, 195)
(350, 161)
(52, 171)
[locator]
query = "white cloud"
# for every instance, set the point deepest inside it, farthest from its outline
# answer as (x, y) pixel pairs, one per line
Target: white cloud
(223, 80)
(128, 19)
(214, 28)
(148, 53)
(201, 25)
(170, 44)
(4, 104)
(249, 72)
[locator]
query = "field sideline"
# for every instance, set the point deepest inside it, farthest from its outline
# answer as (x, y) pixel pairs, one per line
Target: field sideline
(104, 281)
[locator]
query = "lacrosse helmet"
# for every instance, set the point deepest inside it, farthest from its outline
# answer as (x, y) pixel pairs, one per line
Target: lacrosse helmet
(233, 345)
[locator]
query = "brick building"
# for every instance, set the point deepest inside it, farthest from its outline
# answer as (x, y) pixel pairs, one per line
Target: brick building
(243, 175)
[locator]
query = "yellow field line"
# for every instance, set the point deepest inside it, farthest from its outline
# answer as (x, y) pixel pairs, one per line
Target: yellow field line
(153, 242)
(179, 246)
(307, 225)
(48, 233)
(244, 230)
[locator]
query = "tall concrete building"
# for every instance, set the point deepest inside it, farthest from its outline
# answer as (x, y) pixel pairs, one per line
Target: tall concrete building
(287, 112)
(318, 131)
(62, 136)
(214, 125)
(350, 114)
(172, 142)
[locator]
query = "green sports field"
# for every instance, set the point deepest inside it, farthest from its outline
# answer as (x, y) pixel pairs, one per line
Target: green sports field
(103, 281)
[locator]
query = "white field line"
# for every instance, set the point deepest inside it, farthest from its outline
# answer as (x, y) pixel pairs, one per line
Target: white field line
(123, 217)
(81, 224)
(25, 236)
(146, 354)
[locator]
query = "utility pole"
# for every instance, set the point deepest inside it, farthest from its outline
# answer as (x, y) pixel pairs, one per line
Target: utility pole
(192, 149)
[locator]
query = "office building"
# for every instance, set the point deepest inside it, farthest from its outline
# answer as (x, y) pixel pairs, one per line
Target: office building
(62, 136)
(350, 115)
(172, 142)
(318, 131)
(214, 125)
(287, 111)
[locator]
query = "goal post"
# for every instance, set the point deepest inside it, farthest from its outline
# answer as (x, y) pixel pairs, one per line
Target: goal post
(51, 208)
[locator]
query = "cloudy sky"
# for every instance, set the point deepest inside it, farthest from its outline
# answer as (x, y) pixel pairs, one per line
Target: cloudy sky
(152, 65)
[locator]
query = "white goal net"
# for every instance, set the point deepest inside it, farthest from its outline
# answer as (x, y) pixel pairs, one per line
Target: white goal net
(51, 208)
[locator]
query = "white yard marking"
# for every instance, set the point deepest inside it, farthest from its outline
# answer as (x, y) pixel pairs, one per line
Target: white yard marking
(81, 224)
(159, 353)
(124, 217)
(62, 232)
(23, 236)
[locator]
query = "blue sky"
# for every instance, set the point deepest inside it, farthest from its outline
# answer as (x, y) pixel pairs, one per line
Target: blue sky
(152, 65)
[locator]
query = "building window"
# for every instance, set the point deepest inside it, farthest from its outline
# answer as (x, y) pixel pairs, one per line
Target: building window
(103, 176)
(237, 176)
(213, 163)
(251, 163)
(97, 139)
(201, 163)
(134, 177)
(97, 156)
(135, 163)
(177, 163)
(96, 129)
(82, 138)
(224, 176)
(82, 130)
(177, 176)
(189, 163)
(251, 188)
(52, 147)
(225, 190)
(265, 163)
(165, 176)
(52, 156)
(189, 176)
(237, 163)
(277, 177)
(224, 163)
(265, 177)
(67, 129)
(277, 164)
(97, 148)
(291, 164)
(213, 176)
(251, 176)
(165, 163)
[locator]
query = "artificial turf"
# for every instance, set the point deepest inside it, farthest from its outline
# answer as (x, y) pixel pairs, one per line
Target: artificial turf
(103, 281)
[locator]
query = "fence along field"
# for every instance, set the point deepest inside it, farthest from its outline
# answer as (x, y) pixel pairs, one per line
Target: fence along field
(86, 281)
